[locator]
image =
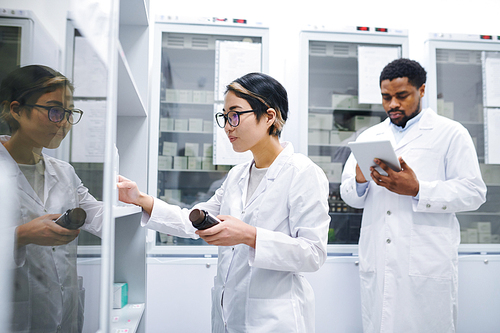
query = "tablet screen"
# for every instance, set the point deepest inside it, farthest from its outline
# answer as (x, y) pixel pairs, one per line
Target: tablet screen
(366, 152)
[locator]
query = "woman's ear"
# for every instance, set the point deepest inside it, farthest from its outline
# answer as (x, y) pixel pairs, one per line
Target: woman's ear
(271, 116)
(15, 108)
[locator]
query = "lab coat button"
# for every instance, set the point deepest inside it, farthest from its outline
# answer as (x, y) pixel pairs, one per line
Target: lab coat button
(388, 241)
(242, 212)
(388, 212)
(443, 208)
(62, 288)
(428, 205)
(54, 249)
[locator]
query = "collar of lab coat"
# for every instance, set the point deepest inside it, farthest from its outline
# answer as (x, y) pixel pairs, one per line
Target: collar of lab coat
(425, 123)
(271, 173)
(50, 175)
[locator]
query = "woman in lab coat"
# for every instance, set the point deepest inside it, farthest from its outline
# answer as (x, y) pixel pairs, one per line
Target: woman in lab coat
(37, 105)
(274, 214)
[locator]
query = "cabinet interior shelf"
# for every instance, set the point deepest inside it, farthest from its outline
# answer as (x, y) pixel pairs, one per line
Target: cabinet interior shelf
(121, 211)
(127, 319)
(129, 100)
(186, 132)
(188, 103)
(326, 145)
(190, 170)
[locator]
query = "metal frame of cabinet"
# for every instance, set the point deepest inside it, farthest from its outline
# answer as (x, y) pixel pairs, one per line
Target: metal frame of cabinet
(324, 42)
(189, 28)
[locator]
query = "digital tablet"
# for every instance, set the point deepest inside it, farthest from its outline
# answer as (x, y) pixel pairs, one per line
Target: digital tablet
(366, 152)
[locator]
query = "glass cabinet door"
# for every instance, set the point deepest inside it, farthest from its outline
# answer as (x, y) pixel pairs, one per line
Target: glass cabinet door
(186, 172)
(336, 117)
(460, 85)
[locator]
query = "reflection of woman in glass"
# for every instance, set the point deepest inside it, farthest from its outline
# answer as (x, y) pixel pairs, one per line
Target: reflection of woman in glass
(275, 218)
(37, 104)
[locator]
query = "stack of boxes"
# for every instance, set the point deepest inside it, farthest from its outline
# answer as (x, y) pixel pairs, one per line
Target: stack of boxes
(189, 96)
(479, 233)
(191, 160)
(186, 125)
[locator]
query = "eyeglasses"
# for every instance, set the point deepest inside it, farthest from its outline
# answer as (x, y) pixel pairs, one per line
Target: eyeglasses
(233, 117)
(56, 113)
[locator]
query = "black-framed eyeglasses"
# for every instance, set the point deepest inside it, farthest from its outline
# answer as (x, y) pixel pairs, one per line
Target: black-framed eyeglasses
(56, 113)
(233, 117)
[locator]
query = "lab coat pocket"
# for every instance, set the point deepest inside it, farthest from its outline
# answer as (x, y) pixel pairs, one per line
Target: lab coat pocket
(367, 250)
(274, 316)
(425, 163)
(431, 252)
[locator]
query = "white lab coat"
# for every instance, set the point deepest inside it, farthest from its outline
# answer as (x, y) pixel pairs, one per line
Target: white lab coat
(46, 293)
(262, 289)
(408, 248)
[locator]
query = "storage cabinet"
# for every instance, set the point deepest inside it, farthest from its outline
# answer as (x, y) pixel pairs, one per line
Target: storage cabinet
(457, 88)
(184, 101)
(333, 110)
(124, 78)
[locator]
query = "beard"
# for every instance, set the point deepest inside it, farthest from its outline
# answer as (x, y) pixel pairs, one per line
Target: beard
(402, 122)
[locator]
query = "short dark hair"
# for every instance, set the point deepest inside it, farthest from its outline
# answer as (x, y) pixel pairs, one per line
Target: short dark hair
(262, 92)
(403, 67)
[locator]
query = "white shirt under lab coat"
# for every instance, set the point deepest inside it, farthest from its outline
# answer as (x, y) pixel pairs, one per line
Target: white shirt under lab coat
(262, 289)
(408, 247)
(46, 291)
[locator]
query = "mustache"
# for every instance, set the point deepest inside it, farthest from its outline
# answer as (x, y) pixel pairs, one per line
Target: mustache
(395, 110)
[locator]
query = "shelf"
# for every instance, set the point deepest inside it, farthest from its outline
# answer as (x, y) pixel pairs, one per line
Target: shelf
(187, 132)
(121, 211)
(127, 319)
(187, 103)
(326, 145)
(133, 12)
(129, 100)
(189, 170)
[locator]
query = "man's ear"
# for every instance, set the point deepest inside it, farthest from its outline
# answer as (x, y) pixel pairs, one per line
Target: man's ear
(421, 90)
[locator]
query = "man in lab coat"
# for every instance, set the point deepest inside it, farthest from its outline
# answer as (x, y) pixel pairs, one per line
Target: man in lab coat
(408, 247)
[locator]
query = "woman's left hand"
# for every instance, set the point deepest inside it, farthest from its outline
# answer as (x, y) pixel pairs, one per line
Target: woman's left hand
(230, 232)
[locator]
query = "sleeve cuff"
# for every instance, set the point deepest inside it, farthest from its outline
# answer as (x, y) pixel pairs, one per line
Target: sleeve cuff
(361, 188)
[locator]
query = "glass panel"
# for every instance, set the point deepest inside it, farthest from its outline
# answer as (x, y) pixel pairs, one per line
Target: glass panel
(10, 56)
(186, 173)
(335, 118)
(460, 97)
(460, 91)
(46, 186)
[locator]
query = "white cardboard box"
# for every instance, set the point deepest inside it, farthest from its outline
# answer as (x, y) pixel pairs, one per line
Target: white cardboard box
(180, 162)
(191, 149)
(181, 125)
(208, 150)
(194, 163)
(165, 162)
(318, 137)
(120, 295)
(169, 148)
(166, 124)
(195, 125)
